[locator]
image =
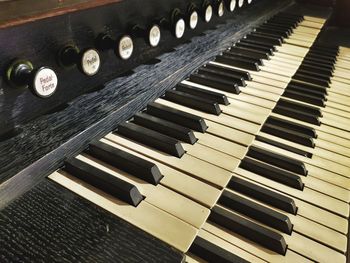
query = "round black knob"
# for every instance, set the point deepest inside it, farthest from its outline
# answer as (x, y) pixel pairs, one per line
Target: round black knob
(123, 47)
(192, 16)
(42, 81)
(88, 61)
(151, 34)
(231, 5)
(207, 11)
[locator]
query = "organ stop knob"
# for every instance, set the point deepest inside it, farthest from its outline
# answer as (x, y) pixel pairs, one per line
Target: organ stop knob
(41, 81)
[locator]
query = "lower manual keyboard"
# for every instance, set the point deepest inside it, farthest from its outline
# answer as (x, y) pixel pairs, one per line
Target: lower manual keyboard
(236, 163)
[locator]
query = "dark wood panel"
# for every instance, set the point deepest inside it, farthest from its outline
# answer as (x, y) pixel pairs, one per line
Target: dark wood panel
(46, 141)
(51, 224)
(17, 12)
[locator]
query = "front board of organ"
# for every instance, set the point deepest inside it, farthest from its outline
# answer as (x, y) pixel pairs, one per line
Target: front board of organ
(174, 131)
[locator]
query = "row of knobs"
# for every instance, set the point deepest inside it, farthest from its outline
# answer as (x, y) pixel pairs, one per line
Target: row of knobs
(43, 81)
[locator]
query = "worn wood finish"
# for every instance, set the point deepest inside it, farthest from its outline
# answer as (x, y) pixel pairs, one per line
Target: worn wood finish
(14, 13)
(45, 142)
(51, 224)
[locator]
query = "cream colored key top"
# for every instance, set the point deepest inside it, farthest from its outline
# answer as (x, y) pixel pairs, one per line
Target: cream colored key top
(264, 87)
(338, 106)
(333, 138)
(187, 163)
(229, 134)
(323, 128)
(223, 119)
(212, 156)
(309, 228)
(145, 216)
(316, 160)
(307, 210)
(298, 42)
(247, 107)
(159, 196)
(251, 247)
(232, 98)
(266, 95)
(228, 246)
(182, 183)
(319, 20)
(222, 145)
(332, 147)
(308, 195)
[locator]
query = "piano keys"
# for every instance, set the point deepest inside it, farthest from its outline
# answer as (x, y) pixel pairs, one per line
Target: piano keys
(236, 163)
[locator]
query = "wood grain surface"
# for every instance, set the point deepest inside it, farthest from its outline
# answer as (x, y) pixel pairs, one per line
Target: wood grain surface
(47, 141)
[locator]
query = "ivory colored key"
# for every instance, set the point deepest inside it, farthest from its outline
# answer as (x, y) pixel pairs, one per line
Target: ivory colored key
(304, 209)
(306, 228)
(226, 120)
(251, 247)
(308, 195)
(188, 164)
(182, 183)
(158, 196)
(147, 217)
(315, 161)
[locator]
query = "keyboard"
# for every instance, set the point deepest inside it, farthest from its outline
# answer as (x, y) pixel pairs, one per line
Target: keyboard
(246, 160)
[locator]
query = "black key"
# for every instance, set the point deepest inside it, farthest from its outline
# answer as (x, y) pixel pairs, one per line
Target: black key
(288, 134)
(104, 181)
(268, 30)
(193, 101)
(236, 72)
(269, 35)
(213, 253)
(284, 146)
(283, 21)
(256, 211)
(248, 229)
(286, 31)
(278, 160)
(215, 83)
(302, 107)
(314, 74)
(259, 43)
(310, 79)
(247, 51)
(319, 60)
(318, 69)
(151, 138)
(304, 97)
(250, 58)
(309, 86)
(265, 39)
(326, 48)
(165, 127)
(126, 162)
(256, 47)
(312, 62)
(203, 93)
(319, 93)
(292, 126)
(188, 120)
(321, 55)
(296, 17)
(263, 194)
(237, 62)
(272, 172)
(223, 75)
(296, 114)
(279, 25)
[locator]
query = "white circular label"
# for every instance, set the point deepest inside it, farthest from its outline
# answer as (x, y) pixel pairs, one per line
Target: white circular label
(125, 47)
(232, 5)
(240, 3)
(154, 36)
(193, 20)
(45, 82)
(208, 13)
(180, 28)
(90, 62)
(221, 9)
(249, 1)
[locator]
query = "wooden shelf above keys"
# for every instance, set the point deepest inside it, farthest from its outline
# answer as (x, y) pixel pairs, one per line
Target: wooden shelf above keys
(17, 12)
